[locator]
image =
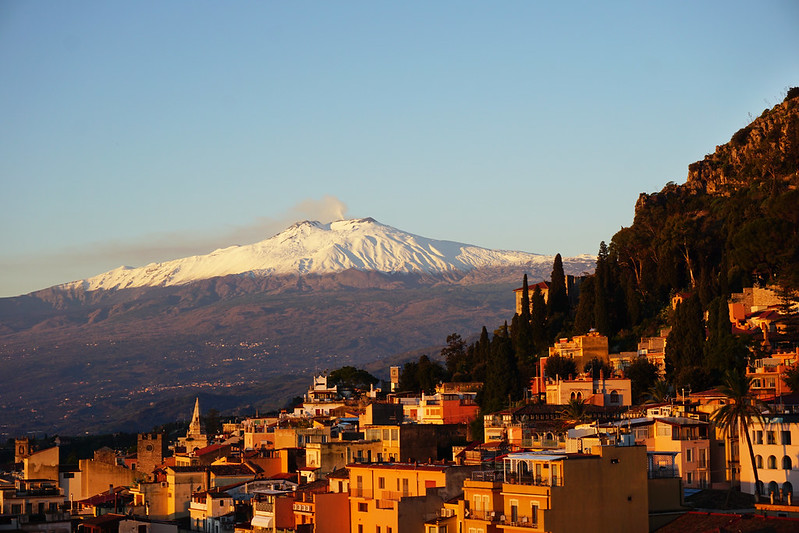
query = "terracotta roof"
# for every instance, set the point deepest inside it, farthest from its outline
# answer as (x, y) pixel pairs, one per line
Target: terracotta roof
(105, 497)
(103, 519)
(220, 470)
(288, 476)
(696, 522)
(320, 485)
(531, 288)
(341, 473)
(209, 449)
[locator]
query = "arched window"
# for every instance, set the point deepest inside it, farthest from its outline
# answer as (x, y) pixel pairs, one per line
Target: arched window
(550, 436)
(614, 397)
(534, 436)
(579, 395)
(573, 396)
(771, 462)
(760, 488)
(786, 463)
(758, 461)
(773, 488)
(787, 489)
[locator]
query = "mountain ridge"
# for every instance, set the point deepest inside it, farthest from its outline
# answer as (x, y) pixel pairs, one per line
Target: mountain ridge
(311, 247)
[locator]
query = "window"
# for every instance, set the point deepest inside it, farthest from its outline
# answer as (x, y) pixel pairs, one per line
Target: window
(689, 454)
(758, 462)
(404, 486)
(478, 503)
(771, 437)
(16, 508)
(534, 515)
(772, 462)
(785, 437)
(360, 528)
(786, 463)
(514, 511)
(689, 478)
(363, 507)
(381, 483)
(614, 397)
(377, 530)
(758, 437)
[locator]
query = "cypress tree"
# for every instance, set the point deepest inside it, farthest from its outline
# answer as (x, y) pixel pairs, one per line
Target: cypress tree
(522, 335)
(524, 312)
(538, 321)
(502, 376)
(558, 301)
(685, 343)
(584, 319)
(601, 291)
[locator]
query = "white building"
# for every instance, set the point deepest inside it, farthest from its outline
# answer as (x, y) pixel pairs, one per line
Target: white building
(776, 447)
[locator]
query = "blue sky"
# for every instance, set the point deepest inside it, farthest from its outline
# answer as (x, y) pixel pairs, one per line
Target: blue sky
(145, 131)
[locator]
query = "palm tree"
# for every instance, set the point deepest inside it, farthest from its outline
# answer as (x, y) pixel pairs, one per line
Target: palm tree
(659, 392)
(736, 416)
(574, 412)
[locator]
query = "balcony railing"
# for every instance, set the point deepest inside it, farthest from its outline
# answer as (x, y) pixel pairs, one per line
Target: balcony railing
(267, 507)
(662, 472)
(529, 479)
(488, 475)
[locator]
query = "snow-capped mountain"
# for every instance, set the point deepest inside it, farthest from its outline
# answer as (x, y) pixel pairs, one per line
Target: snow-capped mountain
(311, 247)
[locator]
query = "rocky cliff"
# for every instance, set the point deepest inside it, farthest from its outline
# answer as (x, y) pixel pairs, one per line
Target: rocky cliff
(765, 150)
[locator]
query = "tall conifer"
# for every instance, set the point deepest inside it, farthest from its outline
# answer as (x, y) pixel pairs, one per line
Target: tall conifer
(558, 301)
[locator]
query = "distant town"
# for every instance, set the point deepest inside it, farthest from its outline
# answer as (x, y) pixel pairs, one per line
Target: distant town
(360, 456)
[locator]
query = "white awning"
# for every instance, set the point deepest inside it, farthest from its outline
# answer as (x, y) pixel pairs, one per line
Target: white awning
(261, 521)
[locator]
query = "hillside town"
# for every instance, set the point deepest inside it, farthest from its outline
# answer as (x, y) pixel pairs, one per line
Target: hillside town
(389, 461)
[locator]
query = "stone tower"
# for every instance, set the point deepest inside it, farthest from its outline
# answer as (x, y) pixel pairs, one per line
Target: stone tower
(195, 437)
(150, 453)
(22, 449)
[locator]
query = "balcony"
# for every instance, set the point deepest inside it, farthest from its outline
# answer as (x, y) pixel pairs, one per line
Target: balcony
(487, 516)
(520, 521)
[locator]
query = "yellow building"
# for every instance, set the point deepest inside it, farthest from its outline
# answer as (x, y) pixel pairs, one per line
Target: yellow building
(330, 456)
(413, 442)
(582, 348)
(605, 490)
(400, 497)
